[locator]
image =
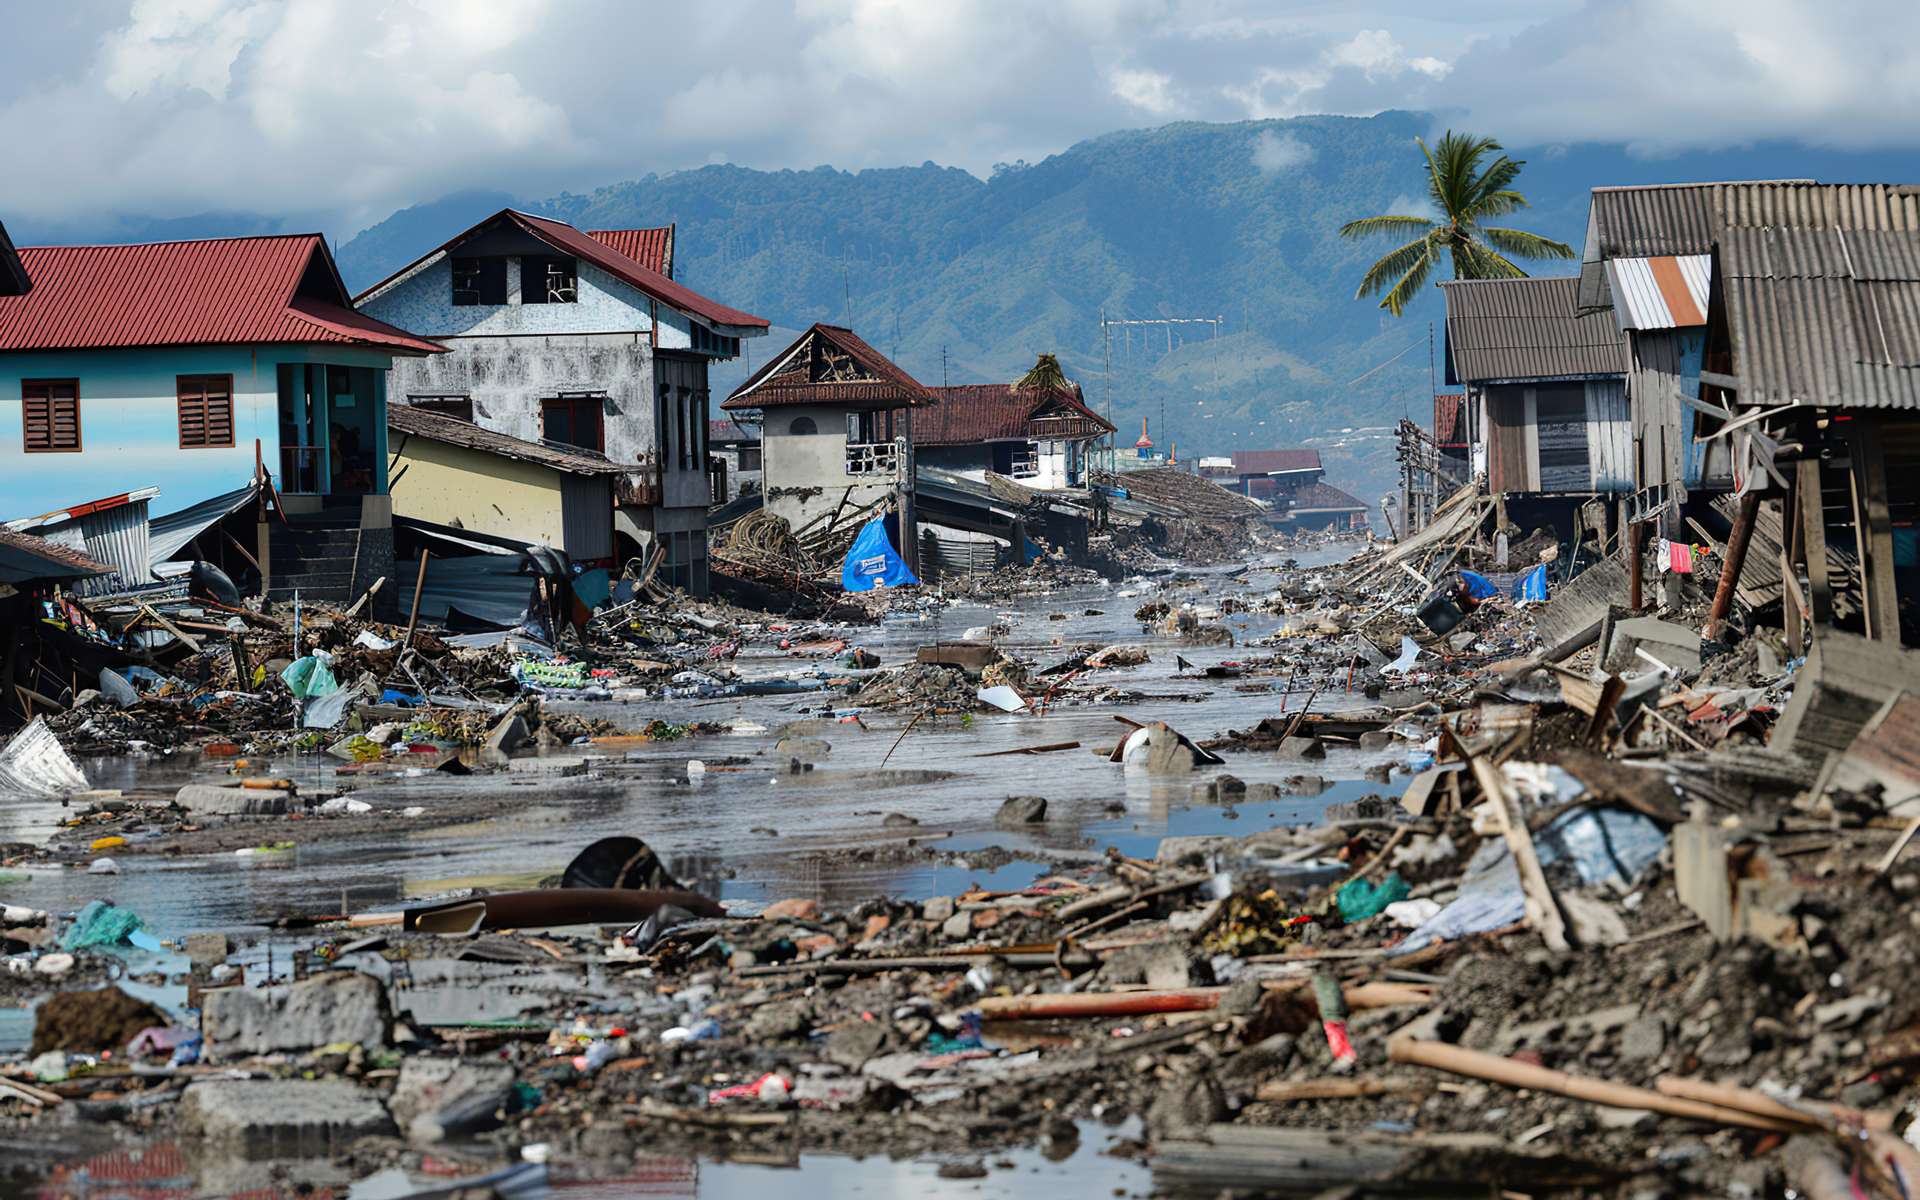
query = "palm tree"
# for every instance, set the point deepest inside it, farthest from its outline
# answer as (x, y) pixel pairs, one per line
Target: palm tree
(1465, 190)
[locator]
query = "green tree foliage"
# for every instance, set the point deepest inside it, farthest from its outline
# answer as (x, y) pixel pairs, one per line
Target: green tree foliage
(1469, 182)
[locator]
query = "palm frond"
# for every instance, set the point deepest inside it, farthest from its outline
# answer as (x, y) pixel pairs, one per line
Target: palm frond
(1403, 292)
(1454, 164)
(1494, 179)
(1398, 226)
(1475, 260)
(1521, 244)
(1497, 204)
(1395, 264)
(1045, 375)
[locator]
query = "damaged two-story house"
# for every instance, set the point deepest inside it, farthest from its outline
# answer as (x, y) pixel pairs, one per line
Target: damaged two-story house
(581, 340)
(835, 439)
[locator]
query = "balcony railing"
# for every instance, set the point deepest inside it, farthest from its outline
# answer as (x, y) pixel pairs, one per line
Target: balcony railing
(873, 459)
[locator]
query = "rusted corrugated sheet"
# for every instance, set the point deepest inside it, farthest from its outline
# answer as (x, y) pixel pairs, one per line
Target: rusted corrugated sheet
(1645, 221)
(651, 248)
(1511, 466)
(1527, 329)
(1660, 293)
(1450, 420)
(222, 291)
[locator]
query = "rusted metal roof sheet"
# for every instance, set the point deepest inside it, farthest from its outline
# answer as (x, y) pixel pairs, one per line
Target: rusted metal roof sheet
(1821, 287)
(994, 412)
(1274, 462)
(1324, 498)
(1527, 329)
(222, 291)
(829, 364)
(1666, 292)
(651, 248)
(1450, 420)
(14, 280)
(424, 423)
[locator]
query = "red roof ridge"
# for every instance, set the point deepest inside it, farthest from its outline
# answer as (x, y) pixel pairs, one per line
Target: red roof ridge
(229, 237)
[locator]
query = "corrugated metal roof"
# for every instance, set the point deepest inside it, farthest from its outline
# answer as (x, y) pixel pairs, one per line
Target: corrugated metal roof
(1645, 221)
(651, 248)
(798, 375)
(1269, 462)
(222, 291)
(994, 412)
(1527, 329)
(439, 427)
(562, 236)
(13, 276)
(1667, 292)
(1322, 498)
(1827, 316)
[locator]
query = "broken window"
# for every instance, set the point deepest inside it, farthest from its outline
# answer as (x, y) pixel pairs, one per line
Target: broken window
(480, 280)
(50, 411)
(205, 404)
(573, 421)
(548, 279)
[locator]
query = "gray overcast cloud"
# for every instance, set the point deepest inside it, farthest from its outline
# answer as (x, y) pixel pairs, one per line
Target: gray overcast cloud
(347, 109)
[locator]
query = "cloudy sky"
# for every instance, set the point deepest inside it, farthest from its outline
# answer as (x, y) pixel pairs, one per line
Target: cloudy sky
(348, 109)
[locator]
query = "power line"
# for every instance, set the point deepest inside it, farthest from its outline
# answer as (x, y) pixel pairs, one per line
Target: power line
(1383, 366)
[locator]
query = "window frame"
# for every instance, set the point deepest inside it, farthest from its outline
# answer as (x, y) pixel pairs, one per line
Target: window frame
(577, 403)
(79, 434)
(179, 397)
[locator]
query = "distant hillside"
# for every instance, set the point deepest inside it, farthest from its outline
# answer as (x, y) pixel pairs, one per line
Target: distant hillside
(1237, 221)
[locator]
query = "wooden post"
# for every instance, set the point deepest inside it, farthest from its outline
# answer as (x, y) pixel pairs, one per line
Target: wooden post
(1870, 468)
(413, 613)
(1636, 544)
(1543, 910)
(1813, 531)
(1736, 559)
(1793, 603)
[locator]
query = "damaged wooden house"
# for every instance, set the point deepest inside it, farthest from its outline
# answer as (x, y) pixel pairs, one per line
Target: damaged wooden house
(1545, 397)
(581, 340)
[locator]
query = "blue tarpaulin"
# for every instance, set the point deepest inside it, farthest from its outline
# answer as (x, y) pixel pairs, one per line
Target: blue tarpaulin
(871, 561)
(1479, 586)
(1532, 585)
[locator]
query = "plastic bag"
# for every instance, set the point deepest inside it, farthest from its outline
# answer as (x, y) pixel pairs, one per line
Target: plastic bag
(99, 924)
(310, 676)
(1359, 899)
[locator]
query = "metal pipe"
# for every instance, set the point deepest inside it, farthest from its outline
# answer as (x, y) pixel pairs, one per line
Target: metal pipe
(1736, 559)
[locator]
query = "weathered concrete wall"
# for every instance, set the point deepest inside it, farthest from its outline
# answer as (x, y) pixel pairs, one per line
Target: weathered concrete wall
(806, 473)
(509, 376)
(423, 304)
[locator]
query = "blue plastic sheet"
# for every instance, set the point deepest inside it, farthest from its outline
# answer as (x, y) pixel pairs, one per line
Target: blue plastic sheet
(1479, 586)
(872, 562)
(1532, 585)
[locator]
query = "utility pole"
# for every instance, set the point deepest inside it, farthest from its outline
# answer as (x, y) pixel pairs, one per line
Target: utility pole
(1125, 325)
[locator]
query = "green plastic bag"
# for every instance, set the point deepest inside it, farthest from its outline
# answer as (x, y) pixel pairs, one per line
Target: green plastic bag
(99, 924)
(1359, 899)
(309, 677)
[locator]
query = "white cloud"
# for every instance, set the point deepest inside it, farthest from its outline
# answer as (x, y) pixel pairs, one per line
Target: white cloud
(338, 111)
(1149, 91)
(1273, 153)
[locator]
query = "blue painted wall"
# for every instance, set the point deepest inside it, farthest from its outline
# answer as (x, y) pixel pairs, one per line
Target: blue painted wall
(130, 425)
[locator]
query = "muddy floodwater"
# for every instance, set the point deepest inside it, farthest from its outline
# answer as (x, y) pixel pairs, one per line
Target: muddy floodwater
(727, 813)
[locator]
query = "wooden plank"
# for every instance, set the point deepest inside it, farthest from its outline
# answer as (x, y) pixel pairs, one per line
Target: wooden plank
(1813, 527)
(1876, 531)
(1543, 911)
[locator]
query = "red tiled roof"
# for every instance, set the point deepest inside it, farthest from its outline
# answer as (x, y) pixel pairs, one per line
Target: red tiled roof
(1450, 419)
(1267, 462)
(787, 377)
(25, 558)
(651, 248)
(993, 412)
(222, 291)
(562, 236)
(1324, 497)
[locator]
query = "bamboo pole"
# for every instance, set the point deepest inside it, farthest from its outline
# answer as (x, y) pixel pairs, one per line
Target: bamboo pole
(1459, 1060)
(1762, 1105)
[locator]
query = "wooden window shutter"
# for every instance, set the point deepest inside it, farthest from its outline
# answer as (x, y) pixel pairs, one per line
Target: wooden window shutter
(50, 413)
(206, 411)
